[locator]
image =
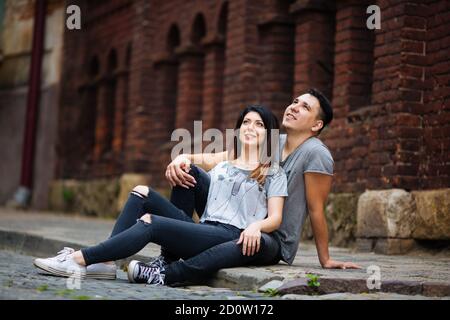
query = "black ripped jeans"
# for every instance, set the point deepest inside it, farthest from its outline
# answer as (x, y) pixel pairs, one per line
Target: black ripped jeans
(227, 254)
(170, 227)
(205, 248)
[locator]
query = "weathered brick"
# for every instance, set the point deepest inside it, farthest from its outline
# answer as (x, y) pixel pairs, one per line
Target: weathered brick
(389, 87)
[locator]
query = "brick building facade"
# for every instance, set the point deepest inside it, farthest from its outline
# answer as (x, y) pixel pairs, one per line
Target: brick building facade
(139, 69)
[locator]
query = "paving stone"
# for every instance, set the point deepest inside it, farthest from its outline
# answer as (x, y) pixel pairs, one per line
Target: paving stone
(402, 287)
(271, 285)
(19, 279)
(436, 289)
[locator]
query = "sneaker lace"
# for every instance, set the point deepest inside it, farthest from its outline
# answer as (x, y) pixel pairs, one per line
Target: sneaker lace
(158, 262)
(62, 255)
(152, 274)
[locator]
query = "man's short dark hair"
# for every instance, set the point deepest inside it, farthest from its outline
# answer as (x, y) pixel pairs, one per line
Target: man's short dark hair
(326, 111)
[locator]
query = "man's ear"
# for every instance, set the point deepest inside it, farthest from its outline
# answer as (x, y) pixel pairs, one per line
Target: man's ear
(317, 126)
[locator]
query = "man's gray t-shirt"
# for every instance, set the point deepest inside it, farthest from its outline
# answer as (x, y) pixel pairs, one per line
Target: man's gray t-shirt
(311, 156)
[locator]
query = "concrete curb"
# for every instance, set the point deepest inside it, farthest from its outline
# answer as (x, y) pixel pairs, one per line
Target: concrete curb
(359, 286)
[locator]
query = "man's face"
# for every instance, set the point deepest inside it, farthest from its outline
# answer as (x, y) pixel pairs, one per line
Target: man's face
(303, 114)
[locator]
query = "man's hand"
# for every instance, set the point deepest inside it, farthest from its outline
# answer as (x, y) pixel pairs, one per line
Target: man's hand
(250, 239)
(177, 172)
(332, 264)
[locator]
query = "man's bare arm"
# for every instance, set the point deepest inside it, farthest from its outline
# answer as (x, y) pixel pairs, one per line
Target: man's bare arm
(177, 172)
(318, 187)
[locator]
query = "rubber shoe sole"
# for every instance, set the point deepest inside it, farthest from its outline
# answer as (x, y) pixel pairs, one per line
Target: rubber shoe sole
(130, 272)
(101, 276)
(59, 272)
(88, 275)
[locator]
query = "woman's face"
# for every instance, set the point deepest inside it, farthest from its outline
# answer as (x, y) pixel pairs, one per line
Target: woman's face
(252, 131)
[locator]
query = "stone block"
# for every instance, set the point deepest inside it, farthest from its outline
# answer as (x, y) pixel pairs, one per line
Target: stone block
(402, 287)
(297, 286)
(271, 285)
(327, 286)
(340, 213)
(433, 214)
(127, 182)
(62, 195)
(393, 246)
(436, 289)
(365, 244)
(99, 198)
(93, 198)
(385, 214)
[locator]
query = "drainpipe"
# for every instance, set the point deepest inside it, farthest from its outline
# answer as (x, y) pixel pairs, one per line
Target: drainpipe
(23, 194)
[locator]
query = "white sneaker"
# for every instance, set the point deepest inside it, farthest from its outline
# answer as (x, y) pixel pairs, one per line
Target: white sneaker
(102, 271)
(62, 265)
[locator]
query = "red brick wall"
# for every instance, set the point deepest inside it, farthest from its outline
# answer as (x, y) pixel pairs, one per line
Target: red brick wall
(389, 87)
(434, 167)
(106, 28)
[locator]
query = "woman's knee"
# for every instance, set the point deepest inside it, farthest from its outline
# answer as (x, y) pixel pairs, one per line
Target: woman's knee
(141, 191)
(147, 218)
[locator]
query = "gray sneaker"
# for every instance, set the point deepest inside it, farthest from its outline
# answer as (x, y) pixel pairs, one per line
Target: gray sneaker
(139, 272)
(101, 271)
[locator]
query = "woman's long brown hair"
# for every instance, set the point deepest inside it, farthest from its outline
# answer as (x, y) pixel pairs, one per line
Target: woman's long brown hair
(270, 123)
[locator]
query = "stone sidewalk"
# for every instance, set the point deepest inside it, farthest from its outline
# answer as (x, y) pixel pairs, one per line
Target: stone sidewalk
(42, 234)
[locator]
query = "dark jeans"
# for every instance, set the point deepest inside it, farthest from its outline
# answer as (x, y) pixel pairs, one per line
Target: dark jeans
(224, 255)
(170, 227)
(205, 248)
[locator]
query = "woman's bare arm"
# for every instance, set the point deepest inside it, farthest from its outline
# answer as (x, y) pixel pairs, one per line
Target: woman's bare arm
(251, 236)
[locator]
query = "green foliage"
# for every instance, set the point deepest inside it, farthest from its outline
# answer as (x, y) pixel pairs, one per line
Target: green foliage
(313, 280)
(8, 283)
(271, 292)
(64, 293)
(68, 195)
(42, 288)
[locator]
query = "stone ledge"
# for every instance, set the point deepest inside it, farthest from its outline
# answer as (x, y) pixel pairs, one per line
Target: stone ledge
(389, 221)
(100, 197)
(385, 245)
(358, 286)
(385, 214)
(432, 214)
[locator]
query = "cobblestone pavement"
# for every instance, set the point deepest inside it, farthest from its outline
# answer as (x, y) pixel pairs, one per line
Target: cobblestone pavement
(21, 280)
(41, 234)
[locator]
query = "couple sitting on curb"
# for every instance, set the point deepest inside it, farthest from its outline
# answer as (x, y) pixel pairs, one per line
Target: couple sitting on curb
(252, 207)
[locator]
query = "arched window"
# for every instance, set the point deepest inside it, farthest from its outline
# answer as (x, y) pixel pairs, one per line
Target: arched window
(198, 29)
(173, 39)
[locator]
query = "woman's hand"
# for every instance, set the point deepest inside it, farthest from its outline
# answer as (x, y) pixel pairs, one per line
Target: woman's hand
(177, 172)
(250, 239)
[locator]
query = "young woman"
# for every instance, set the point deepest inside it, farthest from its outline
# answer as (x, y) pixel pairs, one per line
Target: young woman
(246, 196)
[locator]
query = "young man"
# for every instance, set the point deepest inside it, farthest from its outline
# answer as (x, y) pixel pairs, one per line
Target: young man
(309, 168)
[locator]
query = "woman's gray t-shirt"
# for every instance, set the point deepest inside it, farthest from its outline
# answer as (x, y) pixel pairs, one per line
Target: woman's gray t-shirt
(311, 156)
(236, 199)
